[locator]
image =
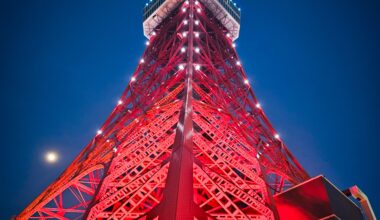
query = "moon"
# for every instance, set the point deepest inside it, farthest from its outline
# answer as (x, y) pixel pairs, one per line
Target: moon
(51, 157)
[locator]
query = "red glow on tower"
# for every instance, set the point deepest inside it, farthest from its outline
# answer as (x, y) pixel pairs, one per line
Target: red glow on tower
(188, 139)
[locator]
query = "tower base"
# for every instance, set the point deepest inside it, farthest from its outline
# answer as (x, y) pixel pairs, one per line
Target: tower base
(316, 198)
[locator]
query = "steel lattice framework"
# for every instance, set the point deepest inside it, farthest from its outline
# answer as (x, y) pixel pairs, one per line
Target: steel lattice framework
(187, 140)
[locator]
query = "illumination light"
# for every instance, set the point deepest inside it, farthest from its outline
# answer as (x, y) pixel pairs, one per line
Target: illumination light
(196, 2)
(147, 43)
(238, 63)
(233, 45)
(258, 105)
(184, 34)
(246, 81)
(133, 79)
(181, 67)
(185, 22)
(187, 2)
(228, 35)
(142, 61)
(154, 33)
(196, 22)
(197, 67)
(277, 136)
(197, 34)
(99, 132)
(197, 50)
(199, 10)
(183, 9)
(115, 149)
(183, 49)
(120, 102)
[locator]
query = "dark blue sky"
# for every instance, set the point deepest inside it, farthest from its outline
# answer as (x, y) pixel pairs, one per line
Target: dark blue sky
(314, 65)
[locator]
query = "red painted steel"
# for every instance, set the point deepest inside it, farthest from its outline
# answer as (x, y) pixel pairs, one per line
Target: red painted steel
(187, 140)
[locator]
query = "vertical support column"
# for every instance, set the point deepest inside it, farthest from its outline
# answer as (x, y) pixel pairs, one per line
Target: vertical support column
(178, 201)
(269, 195)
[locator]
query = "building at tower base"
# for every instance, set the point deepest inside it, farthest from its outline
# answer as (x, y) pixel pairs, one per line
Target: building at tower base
(316, 198)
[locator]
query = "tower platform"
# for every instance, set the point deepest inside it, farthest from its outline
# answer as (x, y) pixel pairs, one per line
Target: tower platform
(225, 11)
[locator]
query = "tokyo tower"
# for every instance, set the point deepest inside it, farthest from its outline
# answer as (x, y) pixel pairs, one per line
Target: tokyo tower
(188, 138)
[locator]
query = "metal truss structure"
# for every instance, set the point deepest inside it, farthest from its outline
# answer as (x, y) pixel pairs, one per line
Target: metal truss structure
(187, 140)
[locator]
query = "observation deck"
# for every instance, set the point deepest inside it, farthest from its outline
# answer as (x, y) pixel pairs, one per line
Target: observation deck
(226, 11)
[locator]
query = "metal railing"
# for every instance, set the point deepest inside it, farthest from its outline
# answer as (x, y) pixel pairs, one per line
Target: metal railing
(151, 7)
(228, 5)
(231, 8)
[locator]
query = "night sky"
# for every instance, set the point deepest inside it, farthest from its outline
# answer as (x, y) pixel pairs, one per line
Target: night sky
(314, 65)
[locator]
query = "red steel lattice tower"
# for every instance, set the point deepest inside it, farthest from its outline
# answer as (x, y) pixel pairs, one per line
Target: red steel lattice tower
(188, 138)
